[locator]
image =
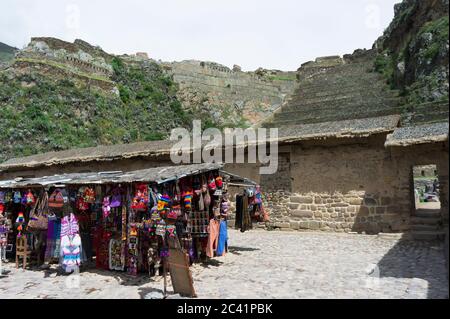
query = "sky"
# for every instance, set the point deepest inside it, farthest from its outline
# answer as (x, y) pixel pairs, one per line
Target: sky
(274, 34)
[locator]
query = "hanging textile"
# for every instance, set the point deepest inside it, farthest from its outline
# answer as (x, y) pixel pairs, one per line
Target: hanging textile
(213, 230)
(116, 258)
(53, 238)
(70, 243)
(101, 242)
(133, 252)
(243, 218)
(222, 244)
(70, 252)
(84, 224)
(69, 225)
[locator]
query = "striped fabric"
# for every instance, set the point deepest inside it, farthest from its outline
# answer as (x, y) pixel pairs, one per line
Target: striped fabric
(69, 225)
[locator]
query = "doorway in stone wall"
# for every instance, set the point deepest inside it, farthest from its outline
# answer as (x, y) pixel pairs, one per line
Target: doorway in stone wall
(426, 222)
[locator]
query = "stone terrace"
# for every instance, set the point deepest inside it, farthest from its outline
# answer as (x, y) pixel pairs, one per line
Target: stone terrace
(336, 89)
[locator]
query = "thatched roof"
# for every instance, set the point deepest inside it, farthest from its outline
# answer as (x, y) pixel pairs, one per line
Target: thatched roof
(421, 134)
(99, 153)
(339, 129)
(155, 174)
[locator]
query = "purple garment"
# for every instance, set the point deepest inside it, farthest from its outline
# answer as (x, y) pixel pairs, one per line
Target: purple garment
(116, 200)
(53, 239)
(69, 226)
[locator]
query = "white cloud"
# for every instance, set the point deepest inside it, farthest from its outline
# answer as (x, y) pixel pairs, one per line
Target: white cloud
(278, 34)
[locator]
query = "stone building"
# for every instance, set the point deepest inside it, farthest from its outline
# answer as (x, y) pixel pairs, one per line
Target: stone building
(346, 154)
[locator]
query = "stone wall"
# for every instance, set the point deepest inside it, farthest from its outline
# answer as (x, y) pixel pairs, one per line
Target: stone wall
(348, 185)
(79, 56)
(337, 212)
(231, 95)
(282, 178)
(425, 171)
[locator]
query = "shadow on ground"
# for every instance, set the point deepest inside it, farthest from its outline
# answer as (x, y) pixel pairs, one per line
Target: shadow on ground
(236, 249)
(417, 259)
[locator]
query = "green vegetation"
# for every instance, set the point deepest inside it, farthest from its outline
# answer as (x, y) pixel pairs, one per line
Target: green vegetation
(386, 65)
(40, 113)
(439, 30)
(282, 77)
(65, 68)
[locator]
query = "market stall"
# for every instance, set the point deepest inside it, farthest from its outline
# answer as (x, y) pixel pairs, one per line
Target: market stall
(120, 221)
(153, 221)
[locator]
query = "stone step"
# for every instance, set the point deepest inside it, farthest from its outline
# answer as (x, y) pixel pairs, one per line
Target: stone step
(378, 101)
(394, 236)
(352, 101)
(356, 80)
(347, 80)
(311, 119)
(337, 72)
(306, 100)
(426, 227)
(425, 221)
(427, 213)
(429, 106)
(314, 89)
(366, 95)
(428, 235)
(321, 92)
(348, 68)
(428, 117)
(344, 111)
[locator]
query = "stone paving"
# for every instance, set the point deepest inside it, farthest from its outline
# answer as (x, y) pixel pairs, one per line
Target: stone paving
(262, 264)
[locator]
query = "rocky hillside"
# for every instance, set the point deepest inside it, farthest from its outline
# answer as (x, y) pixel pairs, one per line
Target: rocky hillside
(414, 56)
(56, 95)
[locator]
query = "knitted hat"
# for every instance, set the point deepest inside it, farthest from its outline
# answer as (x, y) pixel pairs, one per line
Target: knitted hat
(187, 199)
(219, 181)
(20, 218)
(171, 231)
(17, 198)
(212, 183)
(172, 214)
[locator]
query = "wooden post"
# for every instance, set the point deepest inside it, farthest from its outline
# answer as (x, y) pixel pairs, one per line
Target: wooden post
(163, 258)
(1, 260)
(165, 276)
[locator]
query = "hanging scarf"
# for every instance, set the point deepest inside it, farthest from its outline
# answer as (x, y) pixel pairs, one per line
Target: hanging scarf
(69, 225)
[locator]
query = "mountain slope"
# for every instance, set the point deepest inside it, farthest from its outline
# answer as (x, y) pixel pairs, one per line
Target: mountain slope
(59, 95)
(6, 53)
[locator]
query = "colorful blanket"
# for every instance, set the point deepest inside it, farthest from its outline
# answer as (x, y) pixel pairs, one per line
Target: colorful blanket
(53, 239)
